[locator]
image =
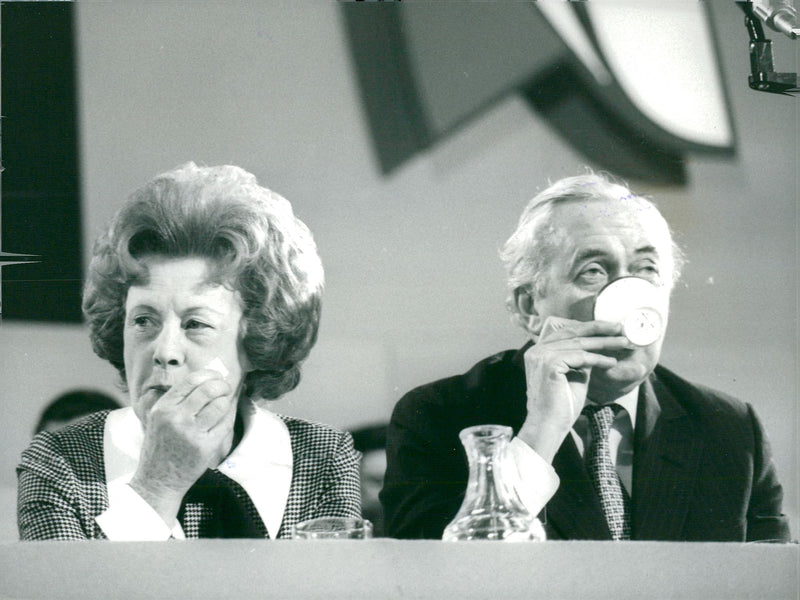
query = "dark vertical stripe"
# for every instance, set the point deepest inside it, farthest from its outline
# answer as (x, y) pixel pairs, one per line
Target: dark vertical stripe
(391, 100)
(40, 182)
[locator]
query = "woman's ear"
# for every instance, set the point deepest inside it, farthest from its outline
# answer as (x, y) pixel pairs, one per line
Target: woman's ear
(245, 363)
(244, 360)
(526, 309)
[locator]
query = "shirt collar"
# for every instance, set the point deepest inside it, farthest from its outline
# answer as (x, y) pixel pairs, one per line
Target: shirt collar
(629, 402)
(261, 463)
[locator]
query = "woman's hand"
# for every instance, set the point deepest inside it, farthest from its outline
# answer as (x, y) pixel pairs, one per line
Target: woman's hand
(188, 430)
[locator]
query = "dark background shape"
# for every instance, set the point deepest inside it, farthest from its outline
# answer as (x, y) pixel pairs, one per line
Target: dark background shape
(41, 212)
(508, 49)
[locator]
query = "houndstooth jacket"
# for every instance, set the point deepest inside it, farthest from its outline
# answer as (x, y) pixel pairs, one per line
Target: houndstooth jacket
(62, 480)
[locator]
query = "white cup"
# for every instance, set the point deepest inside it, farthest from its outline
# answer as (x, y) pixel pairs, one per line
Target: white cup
(637, 304)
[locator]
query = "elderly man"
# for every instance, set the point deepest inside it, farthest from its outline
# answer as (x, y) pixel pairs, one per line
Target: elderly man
(691, 463)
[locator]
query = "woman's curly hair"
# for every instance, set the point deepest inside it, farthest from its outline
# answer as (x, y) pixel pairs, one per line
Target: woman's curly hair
(256, 244)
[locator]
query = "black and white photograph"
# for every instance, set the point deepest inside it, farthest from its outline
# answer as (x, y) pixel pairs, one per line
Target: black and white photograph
(330, 298)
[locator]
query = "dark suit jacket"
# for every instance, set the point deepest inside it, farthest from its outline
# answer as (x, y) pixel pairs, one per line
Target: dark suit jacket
(702, 467)
(62, 481)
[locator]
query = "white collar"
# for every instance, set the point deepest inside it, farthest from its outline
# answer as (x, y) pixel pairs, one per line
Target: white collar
(261, 463)
(629, 402)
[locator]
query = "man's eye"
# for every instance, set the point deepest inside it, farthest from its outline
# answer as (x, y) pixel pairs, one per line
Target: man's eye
(593, 273)
(648, 271)
(195, 324)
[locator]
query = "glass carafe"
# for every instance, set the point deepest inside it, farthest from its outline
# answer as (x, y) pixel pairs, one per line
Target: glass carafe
(491, 509)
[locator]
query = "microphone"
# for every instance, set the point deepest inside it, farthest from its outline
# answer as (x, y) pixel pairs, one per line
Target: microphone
(779, 15)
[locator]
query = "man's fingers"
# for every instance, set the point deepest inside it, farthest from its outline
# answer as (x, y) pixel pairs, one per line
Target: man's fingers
(577, 360)
(553, 351)
(556, 328)
(591, 344)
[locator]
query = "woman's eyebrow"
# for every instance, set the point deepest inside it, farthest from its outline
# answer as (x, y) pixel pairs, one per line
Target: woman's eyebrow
(193, 308)
(143, 306)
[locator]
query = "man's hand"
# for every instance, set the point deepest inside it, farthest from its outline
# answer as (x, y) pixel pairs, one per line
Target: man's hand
(557, 371)
(188, 430)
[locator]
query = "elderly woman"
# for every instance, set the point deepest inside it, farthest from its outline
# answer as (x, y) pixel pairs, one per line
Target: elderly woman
(205, 296)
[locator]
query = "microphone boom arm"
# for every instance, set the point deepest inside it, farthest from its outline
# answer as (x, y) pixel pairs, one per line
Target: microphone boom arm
(763, 77)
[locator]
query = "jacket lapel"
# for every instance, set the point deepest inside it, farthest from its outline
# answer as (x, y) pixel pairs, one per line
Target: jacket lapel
(667, 451)
(574, 512)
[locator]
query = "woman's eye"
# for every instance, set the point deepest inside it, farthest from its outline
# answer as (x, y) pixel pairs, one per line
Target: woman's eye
(195, 324)
(142, 321)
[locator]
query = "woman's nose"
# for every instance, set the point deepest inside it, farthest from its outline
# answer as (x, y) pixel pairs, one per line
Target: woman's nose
(169, 350)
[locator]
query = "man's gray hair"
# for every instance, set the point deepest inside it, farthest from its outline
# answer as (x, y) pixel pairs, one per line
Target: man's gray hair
(529, 250)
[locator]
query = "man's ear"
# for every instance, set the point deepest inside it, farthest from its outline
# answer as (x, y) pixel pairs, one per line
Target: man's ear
(526, 308)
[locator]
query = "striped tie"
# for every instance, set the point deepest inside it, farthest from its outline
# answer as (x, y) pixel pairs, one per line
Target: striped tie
(604, 474)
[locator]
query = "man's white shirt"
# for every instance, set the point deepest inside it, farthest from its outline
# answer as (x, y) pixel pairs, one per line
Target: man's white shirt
(535, 480)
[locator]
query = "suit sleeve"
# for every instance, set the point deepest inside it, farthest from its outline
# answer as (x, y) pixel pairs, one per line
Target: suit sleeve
(425, 472)
(342, 496)
(47, 495)
(765, 520)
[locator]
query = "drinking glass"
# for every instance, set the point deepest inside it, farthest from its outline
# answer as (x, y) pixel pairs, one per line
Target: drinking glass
(332, 528)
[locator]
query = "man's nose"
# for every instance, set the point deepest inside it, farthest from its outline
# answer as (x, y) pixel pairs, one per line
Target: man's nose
(169, 346)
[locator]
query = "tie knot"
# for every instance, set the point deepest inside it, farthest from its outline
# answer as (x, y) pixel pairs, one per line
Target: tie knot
(601, 416)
